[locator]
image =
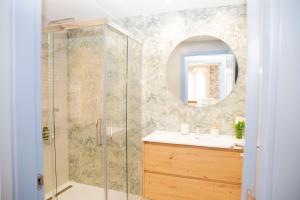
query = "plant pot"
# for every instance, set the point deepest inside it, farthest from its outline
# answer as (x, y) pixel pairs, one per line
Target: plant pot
(239, 133)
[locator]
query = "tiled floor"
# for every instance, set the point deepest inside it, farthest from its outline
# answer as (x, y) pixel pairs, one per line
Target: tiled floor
(87, 192)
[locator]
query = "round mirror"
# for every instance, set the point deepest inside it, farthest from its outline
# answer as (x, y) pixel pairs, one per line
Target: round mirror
(202, 71)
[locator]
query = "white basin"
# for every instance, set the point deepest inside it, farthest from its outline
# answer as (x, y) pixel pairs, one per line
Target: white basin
(205, 140)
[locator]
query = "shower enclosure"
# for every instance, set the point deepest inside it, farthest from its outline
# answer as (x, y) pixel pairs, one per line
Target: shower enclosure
(91, 112)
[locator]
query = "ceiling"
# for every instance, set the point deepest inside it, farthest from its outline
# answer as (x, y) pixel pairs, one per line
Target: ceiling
(95, 9)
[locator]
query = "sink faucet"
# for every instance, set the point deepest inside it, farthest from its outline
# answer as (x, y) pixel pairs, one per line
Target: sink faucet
(198, 128)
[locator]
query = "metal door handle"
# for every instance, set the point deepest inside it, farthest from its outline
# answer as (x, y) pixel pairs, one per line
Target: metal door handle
(98, 132)
(110, 131)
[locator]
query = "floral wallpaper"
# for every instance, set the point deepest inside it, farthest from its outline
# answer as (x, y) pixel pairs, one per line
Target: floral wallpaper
(160, 35)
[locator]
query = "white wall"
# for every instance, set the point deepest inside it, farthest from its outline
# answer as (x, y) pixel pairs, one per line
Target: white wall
(20, 144)
(6, 171)
(279, 163)
(286, 177)
(93, 9)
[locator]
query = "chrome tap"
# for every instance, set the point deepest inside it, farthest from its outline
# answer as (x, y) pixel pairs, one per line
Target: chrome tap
(198, 129)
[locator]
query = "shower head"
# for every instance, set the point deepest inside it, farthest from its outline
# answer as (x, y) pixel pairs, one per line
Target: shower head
(62, 21)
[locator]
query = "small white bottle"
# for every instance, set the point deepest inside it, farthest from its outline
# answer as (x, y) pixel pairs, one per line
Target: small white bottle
(197, 130)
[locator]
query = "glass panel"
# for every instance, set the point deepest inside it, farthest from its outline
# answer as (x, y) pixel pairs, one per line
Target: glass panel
(54, 96)
(134, 119)
(72, 103)
(115, 113)
(60, 110)
(84, 102)
(47, 83)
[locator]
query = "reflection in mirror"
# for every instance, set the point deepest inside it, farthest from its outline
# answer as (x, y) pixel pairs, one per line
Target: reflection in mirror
(202, 71)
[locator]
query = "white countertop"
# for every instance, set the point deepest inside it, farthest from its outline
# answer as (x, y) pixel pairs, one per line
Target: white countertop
(193, 139)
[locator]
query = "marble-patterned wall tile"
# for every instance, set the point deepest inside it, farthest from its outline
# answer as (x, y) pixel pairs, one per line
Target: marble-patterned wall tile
(134, 116)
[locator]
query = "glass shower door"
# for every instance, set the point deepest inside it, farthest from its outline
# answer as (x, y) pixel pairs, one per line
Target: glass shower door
(85, 71)
(72, 112)
(87, 118)
(115, 114)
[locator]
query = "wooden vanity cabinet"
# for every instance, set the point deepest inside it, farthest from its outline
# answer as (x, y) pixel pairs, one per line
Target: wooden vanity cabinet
(182, 172)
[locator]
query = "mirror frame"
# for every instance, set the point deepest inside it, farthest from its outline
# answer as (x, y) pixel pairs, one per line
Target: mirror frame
(183, 79)
(184, 70)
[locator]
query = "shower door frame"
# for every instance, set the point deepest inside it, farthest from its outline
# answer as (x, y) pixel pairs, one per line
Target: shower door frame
(104, 136)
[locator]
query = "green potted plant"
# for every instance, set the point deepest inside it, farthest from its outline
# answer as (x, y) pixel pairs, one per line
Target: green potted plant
(239, 127)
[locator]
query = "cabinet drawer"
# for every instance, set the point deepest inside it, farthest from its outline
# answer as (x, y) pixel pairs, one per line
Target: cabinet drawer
(191, 161)
(164, 187)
